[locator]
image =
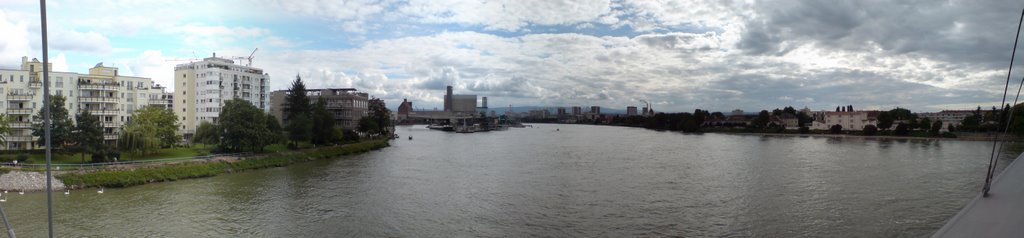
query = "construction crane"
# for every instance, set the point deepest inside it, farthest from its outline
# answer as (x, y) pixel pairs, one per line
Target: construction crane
(249, 59)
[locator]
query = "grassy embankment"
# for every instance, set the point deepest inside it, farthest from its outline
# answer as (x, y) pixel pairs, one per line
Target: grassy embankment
(172, 172)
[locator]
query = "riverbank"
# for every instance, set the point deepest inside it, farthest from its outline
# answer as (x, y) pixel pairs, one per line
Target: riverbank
(26, 181)
(125, 176)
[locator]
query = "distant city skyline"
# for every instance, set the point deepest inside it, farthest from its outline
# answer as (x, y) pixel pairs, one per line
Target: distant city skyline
(679, 55)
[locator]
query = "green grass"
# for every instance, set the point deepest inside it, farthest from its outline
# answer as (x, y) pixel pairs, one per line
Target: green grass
(176, 152)
(137, 176)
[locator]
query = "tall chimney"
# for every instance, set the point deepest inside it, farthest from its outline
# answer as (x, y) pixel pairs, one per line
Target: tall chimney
(448, 100)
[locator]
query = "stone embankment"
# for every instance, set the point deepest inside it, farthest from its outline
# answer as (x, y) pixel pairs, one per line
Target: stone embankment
(27, 181)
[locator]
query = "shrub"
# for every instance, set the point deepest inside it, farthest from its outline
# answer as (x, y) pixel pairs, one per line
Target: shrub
(836, 129)
(870, 130)
(901, 129)
(804, 130)
(23, 158)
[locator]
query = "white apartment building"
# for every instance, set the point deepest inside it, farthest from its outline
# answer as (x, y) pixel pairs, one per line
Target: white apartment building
(850, 121)
(203, 86)
(103, 92)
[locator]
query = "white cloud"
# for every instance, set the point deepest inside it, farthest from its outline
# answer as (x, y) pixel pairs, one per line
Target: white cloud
(15, 42)
(151, 64)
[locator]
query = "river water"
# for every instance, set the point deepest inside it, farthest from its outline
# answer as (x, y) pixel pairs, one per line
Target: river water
(553, 180)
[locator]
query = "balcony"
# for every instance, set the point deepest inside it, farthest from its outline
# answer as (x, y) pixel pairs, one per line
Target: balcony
(110, 136)
(98, 86)
(98, 99)
(19, 125)
(19, 97)
(17, 139)
(35, 83)
(101, 112)
(109, 124)
(19, 111)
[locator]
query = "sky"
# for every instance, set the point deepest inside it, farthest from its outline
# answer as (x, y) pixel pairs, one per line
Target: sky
(678, 55)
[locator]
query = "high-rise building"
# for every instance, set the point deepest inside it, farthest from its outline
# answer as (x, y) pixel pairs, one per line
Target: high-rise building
(203, 86)
(631, 111)
(103, 92)
(595, 110)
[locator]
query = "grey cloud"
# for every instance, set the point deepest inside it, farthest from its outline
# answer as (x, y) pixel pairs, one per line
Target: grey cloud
(955, 31)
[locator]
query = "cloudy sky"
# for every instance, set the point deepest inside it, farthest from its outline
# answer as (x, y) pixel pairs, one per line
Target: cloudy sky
(679, 55)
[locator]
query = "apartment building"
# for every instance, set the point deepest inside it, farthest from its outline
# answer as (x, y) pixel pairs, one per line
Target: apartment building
(103, 92)
(347, 105)
(203, 86)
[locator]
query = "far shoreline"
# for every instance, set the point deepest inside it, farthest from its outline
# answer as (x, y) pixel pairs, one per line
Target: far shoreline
(874, 137)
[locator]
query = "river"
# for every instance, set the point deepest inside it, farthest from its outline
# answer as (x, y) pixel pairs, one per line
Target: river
(553, 180)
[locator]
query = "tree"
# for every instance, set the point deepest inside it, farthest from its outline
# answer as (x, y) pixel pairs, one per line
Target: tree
(276, 132)
(88, 136)
(902, 129)
(804, 130)
(380, 114)
(244, 126)
(369, 125)
(870, 130)
(924, 124)
(323, 123)
(60, 124)
(885, 120)
(936, 126)
(762, 119)
(134, 139)
(912, 124)
(297, 112)
(207, 133)
(5, 128)
(836, 129)
(1017, 124)
(901, 114)
(160, 122)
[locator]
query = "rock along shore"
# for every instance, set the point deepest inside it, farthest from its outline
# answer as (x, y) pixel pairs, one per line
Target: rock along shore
(27, 181)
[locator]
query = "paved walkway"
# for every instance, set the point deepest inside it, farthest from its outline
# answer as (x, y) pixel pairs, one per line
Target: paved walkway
(1001, 214)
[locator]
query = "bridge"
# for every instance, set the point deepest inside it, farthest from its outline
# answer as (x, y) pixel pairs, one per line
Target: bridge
(1001, 214)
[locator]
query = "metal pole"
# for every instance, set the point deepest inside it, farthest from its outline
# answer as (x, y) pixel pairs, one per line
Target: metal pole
(991, 161)
(10, 231)
(46, 120)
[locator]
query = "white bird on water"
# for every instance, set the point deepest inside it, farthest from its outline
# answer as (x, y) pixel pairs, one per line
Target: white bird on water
(22, 192)
(67, 192)
(100, 191)
(3, 199)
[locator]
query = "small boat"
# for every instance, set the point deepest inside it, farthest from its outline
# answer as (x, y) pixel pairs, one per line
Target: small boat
(410, 137)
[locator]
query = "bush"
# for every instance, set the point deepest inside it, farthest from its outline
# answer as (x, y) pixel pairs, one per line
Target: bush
(804, 130)
(901, 129)
(870, 130)
(836, 129)
(23, 158)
